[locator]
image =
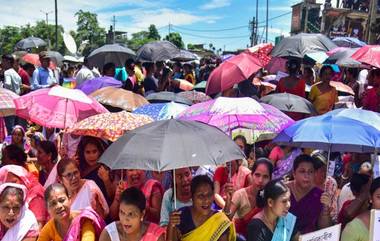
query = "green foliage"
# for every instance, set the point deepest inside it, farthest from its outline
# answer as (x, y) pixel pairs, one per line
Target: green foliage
(140, 38)
(176, 39)
(153, 32)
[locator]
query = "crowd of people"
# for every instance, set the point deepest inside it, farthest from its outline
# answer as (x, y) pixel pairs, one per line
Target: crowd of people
(53, 188)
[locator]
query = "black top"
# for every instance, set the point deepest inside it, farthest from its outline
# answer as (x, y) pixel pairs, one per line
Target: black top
(150, 83)
(93, 175)
(258, 231)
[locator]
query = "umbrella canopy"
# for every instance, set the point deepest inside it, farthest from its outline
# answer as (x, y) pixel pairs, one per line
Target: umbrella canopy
(343, 58)
(201, 86)
(289, 103)
(369, 54)
(56, 57)
(92, 85)
(185, 55)
(57, 107)
(262, 52)
(110, 53)
(276, 64)
(30, 42)
(301, 44)
(161, 111)
(348, 42)
(230, 113)
(7, 105)
(340, 87)
(119, 98)
(331, 133)
(157, 51)
(166, 96)
(232, 71)
(194, 96)
(192, 142)
(109, 126)
(35, 60)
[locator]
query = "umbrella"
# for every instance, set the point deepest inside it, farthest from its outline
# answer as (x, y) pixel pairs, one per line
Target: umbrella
(332, 133)
(7, 105)
(166, 96)
(161, 111)
(119, 98)
(262, 52)
(19, 54)
(227, 56)
(109, 126)
(194, 96)
(232, 71)
(185, 55)
(289, 103)
(191, 142)
(276, 64)
(230, 113)
(339, 86)
(201, 86)
(57, 107)
(91, 85)
(157, 51)
(318, 57)
(35, 60)
(301, 44)
(349, 42)
(30, 42)
(369, 54)
(343, 58)
(56, 57)
(110, 53)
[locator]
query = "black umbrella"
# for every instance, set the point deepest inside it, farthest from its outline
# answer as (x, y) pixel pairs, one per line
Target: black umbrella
(56, 57)
(343, 58)
(30, 42)
(289, 103)
(157, 51)
(301, 44)
(110, 53)
(184, 56)
(166, 96)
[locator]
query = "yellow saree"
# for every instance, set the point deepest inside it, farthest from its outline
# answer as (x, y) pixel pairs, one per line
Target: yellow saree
(212, 229)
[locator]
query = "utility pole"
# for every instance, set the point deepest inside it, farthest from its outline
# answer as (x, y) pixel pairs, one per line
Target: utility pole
(252, 28)
(372, 16)
(113, 26)
(257, 21)
(47, 26)
(266, 23)
(56, 26)
(306, 18)
(169, 28)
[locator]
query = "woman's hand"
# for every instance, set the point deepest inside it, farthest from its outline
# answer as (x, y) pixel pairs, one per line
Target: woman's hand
(104, 174)
(174, 219)
(120, 188)
(326, 201)
(229, 190)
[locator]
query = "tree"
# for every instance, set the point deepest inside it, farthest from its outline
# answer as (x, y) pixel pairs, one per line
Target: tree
(153, 33)
(176, 39)
(9, 36)
(89, 29)
(47, 33)
(138, 39)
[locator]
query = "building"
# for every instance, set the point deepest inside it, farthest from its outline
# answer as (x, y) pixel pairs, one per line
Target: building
(306, 17)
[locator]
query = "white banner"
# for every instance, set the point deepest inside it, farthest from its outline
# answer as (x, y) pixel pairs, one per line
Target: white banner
(374, 234)
(327, 234)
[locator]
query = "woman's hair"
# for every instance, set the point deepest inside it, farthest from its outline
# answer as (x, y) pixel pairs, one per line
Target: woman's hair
(303, 158)
(62, 164)
(273, 190)
(49, 148)
(357, 182)
(263, 161)
(82, 145)
(374, 185)
(201, 180)
(53, 187)
(20, 128)
(242, 138)
(14, 152)
(12, 191)
(320, 159)
(324, 68)
(133, 196)
(293, 66)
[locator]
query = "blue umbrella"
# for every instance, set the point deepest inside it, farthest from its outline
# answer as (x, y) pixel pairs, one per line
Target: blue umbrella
(368, 117)
(91, 85)
(161, 111)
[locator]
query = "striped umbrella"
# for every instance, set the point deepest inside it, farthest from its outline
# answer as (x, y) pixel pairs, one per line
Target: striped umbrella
(7, 105)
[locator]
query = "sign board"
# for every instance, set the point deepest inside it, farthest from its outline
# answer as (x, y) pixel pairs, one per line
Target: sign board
(374, 232)
(326, 234)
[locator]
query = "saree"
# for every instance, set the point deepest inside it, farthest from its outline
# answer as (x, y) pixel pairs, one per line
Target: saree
(26, 223)
(323, 102)
(212, 229)
(241, 224)
(284, 228)
(52, 178)
(74, 231)
(148, 188)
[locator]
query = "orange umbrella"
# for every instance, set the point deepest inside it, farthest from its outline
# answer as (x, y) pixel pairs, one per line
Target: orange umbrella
(339, 86)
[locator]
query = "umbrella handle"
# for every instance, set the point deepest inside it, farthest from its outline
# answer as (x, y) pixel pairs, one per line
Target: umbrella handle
(174, 191)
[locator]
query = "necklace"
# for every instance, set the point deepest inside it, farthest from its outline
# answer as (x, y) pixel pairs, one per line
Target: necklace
(271, 225)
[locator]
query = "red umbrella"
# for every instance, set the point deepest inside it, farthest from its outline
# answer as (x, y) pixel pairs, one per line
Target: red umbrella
(369, 54)
(232, 71)
(262, 52)
(35, 60)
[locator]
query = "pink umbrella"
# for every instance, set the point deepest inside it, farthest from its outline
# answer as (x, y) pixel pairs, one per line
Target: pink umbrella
(369, 54)
(262, 52)
(232, 71)
(336, 50)
(57, 107)
(276, 64)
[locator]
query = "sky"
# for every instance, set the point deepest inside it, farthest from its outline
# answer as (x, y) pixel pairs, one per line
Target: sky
(224, 23)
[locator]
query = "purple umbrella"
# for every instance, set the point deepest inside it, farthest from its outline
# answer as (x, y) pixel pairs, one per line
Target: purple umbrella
(92, 85)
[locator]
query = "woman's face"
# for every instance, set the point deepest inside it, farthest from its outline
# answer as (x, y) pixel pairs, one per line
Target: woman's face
(320, 175)
(135, 178)
(130, 218)
(240, 143)
(281, 205)
(202, 199)
(376, 199)
(91, 154)
(327, 75)
(58, 204)
(43, 158)
(304, 175)
(14, 179)
(71, 178)
(183, 179)
(17, 136)
(261, 176)
(10, 210)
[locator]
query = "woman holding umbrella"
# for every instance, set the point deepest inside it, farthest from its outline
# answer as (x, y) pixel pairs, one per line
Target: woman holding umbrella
(292, 84)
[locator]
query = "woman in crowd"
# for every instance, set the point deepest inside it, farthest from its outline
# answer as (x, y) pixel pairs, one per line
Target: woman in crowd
(82, 192)
(371, 97)
(292, 84)
(35, 194)
(308, 202)
(274, 222)
(243, 204)
(322, 94)
(17, 222)
(35, 140)
(152, 190)
(200, 221)
(88, 152)
(182, 196)
(14, 155)
(52, 134)
(18, 138)
(47, 159)
(131, 224)
(358, 229)
(189, 74)
(66, 224)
